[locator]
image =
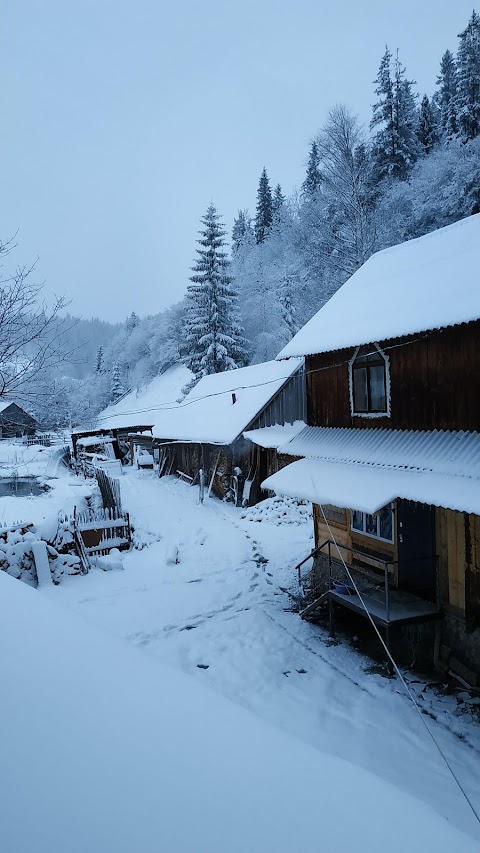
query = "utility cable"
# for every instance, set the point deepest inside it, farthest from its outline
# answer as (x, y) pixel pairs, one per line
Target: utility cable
(397, 670)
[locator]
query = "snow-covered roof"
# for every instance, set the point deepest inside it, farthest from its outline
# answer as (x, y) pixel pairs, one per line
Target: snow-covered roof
(366, 469)
(140, 407)
(274, 436)
(4, 404)
(208, 413)
(154, 761)
(423, 284)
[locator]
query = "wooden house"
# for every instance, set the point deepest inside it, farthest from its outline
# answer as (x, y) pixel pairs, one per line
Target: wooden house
(391, 454)
(15, 422)
(210, 430)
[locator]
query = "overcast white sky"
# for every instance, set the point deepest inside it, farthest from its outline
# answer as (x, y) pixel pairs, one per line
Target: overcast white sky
(122, 119)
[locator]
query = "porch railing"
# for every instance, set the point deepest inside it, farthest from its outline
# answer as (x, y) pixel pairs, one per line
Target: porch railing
(372, 574)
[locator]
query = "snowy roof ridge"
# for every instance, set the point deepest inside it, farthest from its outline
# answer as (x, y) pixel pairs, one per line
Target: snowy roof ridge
(426, 283)
(456, 453)
(141, 406)
(209, 415)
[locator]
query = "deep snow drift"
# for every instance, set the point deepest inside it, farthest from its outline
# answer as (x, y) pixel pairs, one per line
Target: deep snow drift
(104, 749)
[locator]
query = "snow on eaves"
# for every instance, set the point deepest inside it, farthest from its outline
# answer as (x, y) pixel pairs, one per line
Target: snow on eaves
(427, 283)
(141, 406)
(222, 405)
(274, 436)
(365, 469)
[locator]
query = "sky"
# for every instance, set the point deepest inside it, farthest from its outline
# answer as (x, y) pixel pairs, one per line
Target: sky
(123, 120)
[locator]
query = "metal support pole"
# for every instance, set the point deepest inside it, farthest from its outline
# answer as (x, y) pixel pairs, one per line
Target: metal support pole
(387, 595)
(331, 606)
(387, 643)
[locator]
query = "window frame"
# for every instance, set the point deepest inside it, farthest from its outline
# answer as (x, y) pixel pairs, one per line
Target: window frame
(351, 370)
(376, 515)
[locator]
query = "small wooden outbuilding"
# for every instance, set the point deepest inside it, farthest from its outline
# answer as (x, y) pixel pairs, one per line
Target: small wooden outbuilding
(15, 422)
(207, 431)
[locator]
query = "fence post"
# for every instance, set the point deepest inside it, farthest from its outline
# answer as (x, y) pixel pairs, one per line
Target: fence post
(201, 478)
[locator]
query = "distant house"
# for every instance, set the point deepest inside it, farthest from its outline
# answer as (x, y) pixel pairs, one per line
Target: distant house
(391, 454)
(16, 422)
(210, 430)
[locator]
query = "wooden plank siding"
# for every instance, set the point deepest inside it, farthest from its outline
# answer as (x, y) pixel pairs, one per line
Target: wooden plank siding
(434, 382)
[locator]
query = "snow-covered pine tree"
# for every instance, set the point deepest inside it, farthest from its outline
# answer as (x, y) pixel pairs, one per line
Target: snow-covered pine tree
(313, 178)
(264, 215)
(427, 131)
(242, 231)
(132, 322)
(213, 333)
(99, 361)
(445, 97)
(395, 146)
(117, 389)
(467, 100)
(278, 202)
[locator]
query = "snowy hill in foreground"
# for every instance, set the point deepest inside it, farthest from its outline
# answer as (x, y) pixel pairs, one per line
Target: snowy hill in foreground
(141, 405)
(104, 749)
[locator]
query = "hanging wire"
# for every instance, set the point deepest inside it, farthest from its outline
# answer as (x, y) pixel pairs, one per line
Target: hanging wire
(399, 674)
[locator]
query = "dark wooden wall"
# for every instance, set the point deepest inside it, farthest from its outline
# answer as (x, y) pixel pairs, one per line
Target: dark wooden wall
(15, 422)
(434, 378)
(287, 406)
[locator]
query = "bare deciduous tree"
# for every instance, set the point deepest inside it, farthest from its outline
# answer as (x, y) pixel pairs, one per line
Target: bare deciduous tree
(345, 169)
(33, 336)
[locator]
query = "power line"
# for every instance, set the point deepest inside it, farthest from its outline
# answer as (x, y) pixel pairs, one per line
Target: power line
(174, 404)
(399, 674)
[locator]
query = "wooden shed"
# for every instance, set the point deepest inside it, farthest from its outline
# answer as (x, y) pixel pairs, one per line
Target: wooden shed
(391, 453)
(15, 422)
(207, 431)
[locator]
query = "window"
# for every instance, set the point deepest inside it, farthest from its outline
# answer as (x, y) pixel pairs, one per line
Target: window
(369, 382)
(379, 525)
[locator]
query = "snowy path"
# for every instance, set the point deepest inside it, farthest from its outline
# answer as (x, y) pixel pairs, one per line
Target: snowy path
(220, 615)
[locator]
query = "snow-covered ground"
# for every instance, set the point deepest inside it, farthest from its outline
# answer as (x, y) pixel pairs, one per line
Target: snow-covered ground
(64, 490)
(105, 749)
(206, 591)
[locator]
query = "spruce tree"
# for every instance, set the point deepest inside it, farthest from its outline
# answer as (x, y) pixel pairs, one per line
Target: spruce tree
(117, 389)
(242, 232)
(445, 97)
(467, 100)
(395, 145)
(99, 361)
(313, 178)
(212, 330)
(426, 132)
(278, 202)
(132, 322)
(264, 216)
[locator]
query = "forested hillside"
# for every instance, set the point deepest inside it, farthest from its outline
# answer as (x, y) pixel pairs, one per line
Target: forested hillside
(414, 169)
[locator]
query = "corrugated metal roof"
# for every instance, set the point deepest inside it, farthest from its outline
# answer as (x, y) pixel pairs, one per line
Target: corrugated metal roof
(436, 451)
(367, 468)
(371, 487)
